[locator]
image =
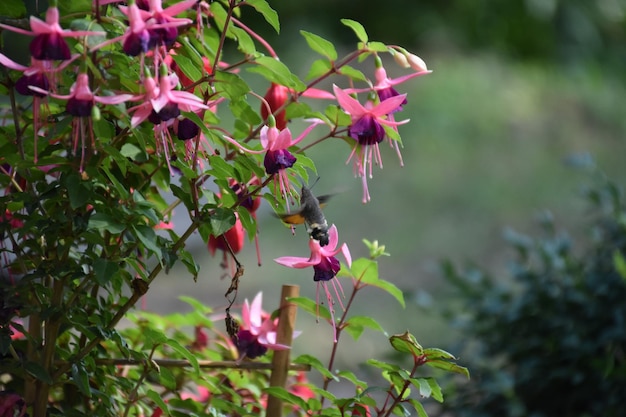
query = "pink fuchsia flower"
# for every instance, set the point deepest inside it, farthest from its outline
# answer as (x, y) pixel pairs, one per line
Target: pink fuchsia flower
(277, 159)
(12, 405)
(257, 332)
(162, 102)
(385, 88)
(80, 103)
(49, 42)
(368, 131)
(325, 267)
(166, 31)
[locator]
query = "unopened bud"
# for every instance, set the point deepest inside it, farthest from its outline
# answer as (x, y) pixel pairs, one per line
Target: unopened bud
(416, 62)
(401, 60)
(95, 113)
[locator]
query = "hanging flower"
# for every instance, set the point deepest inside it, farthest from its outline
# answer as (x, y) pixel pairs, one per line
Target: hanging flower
(49, 42)
(325, 267)
(257, 332)
(80, 103)
(277, 156)
(367, 130)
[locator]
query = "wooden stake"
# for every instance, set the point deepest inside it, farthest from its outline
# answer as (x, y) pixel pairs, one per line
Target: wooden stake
(284, 336)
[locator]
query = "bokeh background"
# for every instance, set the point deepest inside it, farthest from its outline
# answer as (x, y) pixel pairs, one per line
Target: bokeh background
(524, 97)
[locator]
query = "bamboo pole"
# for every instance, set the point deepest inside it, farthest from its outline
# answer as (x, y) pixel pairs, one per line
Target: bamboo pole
(284, 336)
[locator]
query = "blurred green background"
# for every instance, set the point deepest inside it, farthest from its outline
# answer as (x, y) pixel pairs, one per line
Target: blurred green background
(522, 93)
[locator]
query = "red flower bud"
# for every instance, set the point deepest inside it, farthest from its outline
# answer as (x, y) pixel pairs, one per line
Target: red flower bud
(276, 97)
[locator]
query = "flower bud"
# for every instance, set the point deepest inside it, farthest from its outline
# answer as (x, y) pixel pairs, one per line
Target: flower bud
(401, 60)
(416, 62)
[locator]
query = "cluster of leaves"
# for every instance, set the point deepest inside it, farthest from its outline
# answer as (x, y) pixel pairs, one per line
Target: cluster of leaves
(89, 189)
(551, 341)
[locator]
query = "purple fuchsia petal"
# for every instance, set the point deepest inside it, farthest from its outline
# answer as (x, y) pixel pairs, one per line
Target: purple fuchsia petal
(136, 43)
(275, 161)
(39, 80)
(327, 269)
(49, 46)
(248, 345)
(187, 129)
(79, 108)
(367, 131)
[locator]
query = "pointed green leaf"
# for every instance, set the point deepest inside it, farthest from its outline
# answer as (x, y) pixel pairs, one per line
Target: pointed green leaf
(81, 378)
(104, 270)
(356, 324)
(353, 73)
(188, 67)
(358, 29)
(148, 238)
(181, 350)
(449, 366)
(230, 85)
(406, 342)
(315, 364)
(268, 13)
(277, 72)
(436, 353)
(158, 400)
(320, 45)
(421, 412)
(221, 221)
(389, 367)
(38, 371)
(311, 307)
(101, 221)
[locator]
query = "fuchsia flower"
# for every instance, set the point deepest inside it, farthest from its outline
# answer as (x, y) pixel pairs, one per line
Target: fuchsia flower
(149, 26)
(325, 266)
(80, 102)
(162, 102)
(49, 42)
(367, 130)
(277, 156)
(257, 333)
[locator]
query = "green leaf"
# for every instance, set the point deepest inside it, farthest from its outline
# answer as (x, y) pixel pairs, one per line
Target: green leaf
(436, 353)
(320, 45)
(352, 378)
(268, 13)
(81, 378)
(89, 25)
(152, 337)
(358, 29)
(181, 350)
(315, 364)
(12, 9)
(77, 192)
(283, 394)
(133, 152)
(620, 263)
(352, 73)
(406, 343)
(38, 371)
(377, 47)
(220, 168)
(275, 71)
(356, 324)
(148, 238)
(311, 307)
(389, 367)
(158, 400)
(318, 68)
(222, 220)
(188, 67)
(418, 407)
(101, 221)
(104, 270)
(230, 85)
(366, 271)
(449, 367)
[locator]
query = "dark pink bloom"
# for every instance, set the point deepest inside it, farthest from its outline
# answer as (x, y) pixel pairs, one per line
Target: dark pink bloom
(276, 97)
(257, 332)
(367, 130)
(325, 266)
(277, 156)
(49, 42)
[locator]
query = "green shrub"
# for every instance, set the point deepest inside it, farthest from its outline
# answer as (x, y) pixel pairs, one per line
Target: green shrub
(551, 341)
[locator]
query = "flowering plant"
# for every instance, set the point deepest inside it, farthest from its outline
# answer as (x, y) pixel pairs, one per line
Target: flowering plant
(120, 118)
